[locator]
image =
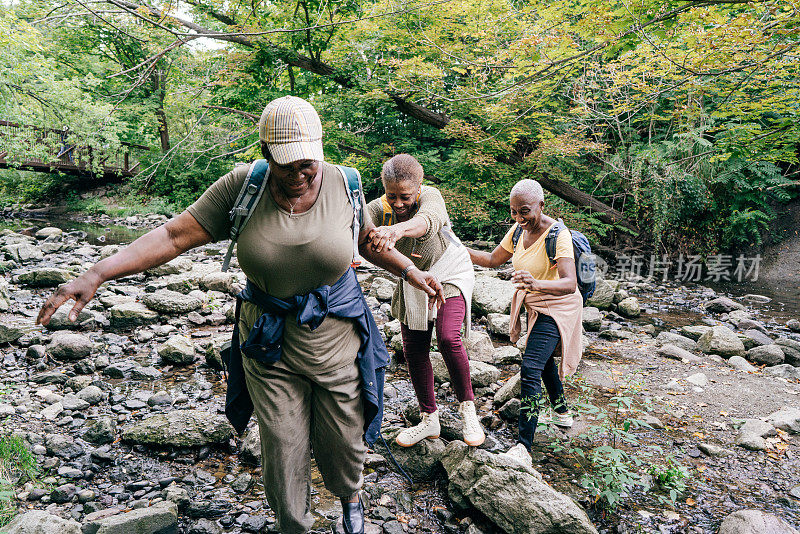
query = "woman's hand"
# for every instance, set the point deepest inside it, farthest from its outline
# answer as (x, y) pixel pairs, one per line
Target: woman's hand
(428, 283)
(384, 237)
(81, 290)
(525, 280)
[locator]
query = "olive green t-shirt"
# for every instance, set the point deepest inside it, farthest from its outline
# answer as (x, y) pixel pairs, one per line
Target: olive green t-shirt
(286, 255)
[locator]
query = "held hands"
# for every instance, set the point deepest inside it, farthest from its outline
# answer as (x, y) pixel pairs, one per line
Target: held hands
(429, 284)
(384, 237)
(81, 290)
(525, 280)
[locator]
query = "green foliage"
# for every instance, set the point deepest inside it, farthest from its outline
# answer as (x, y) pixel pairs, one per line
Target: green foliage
(610, 452)
(17, 465)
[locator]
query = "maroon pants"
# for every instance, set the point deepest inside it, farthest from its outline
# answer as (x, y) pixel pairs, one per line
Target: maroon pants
(417, 348)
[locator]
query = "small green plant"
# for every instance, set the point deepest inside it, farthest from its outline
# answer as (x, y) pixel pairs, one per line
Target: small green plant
(17, 465)
(670, 477)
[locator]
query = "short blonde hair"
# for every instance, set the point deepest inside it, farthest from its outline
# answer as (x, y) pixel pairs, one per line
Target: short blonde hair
(400, 168)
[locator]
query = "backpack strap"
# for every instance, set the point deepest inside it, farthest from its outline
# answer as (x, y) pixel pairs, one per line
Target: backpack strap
(352, 183)
(515, 236)
(387, 211)
(551, 240)
(245, 204)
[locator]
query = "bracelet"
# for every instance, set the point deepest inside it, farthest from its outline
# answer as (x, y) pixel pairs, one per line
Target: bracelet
(404, 273)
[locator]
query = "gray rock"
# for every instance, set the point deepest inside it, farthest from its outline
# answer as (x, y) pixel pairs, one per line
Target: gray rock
(721, 340)
(12, 328)
(175, 266)
(161, 518)
(615, 335)
(506, 355)
(382, 288)
(176, 494)
(421, 461)
(242, 483)
(787, 419)
(498, 323)
(629, 307)
(710, 449)
(482, 374)
(23, 252)
(181, 428)
(178, 350)
(698, 379)
(683, 342)
(766, 354)
(440, 372)
(73, 402)
(791, 350)
(48, 231)
(603, 296)
(120, 369)
(146, 373)
(62, 446)
(757, 337)
(87, 319)
(102, 431)
(793, 325)
(251, 447)
(740, 364)
(676, 353)
(754, 522)
(722, 305)
(592, 319)
(227, 283)
(51, 412)
(63, 494)
(694, 332)
(783, 371)
(41, 522)
(70, 346)
(479, 347)
(171, 302)
(492, 295)
(45, 277)
(511, 495)
(130, 315)
(752, 433)
(511, 389)
(161, 398)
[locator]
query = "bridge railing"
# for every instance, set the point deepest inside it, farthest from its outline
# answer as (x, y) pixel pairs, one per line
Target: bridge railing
(51, 149)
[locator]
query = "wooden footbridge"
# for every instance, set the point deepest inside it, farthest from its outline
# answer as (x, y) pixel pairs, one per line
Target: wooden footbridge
(52, 150)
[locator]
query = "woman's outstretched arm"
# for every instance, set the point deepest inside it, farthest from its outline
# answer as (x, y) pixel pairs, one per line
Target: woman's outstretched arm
(492, 259)
(156, 247)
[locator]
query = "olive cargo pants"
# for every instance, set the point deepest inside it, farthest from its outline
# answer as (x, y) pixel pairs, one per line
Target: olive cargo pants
(298, 412)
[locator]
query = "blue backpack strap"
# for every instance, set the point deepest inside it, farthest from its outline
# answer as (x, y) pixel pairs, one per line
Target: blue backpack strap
(515, 236)
(551, 240)
(245, 204)
(352, 182)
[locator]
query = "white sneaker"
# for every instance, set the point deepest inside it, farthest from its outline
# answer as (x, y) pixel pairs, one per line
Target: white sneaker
(564, 420)
(427, 428)
(473, 432)
(520, 454)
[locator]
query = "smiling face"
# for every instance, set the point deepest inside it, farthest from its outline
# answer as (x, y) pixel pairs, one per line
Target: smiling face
(294, 178)
(402, 196)
(527, 211)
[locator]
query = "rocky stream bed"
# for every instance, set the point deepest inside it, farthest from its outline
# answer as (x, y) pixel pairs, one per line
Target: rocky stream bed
(124, 408)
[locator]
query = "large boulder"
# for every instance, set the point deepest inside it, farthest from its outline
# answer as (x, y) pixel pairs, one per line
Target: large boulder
(41, 522)
(223, 282)
(12, 328)
(592, 319)
(629, 307)
(498, 323)
(178, 350)
(70, 346)
(754, 522)
(179, 428)
(421, 461)
(511, 389)
(786, 419)
(722, 305)
(161, 518)
(45, 277)
(670, 338)
(171, 302)
(479, 347)
(791, 350)
(766, 354)
(23, 252)
(130, 315)
(492, 295)
(482, 374)
(603, 296)
(721, 340)
(513, 496)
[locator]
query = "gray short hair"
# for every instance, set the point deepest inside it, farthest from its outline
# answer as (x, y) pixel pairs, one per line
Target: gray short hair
(530, 189)
(402, 167)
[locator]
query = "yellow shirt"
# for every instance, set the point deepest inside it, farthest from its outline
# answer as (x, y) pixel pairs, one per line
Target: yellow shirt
(534, 258)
